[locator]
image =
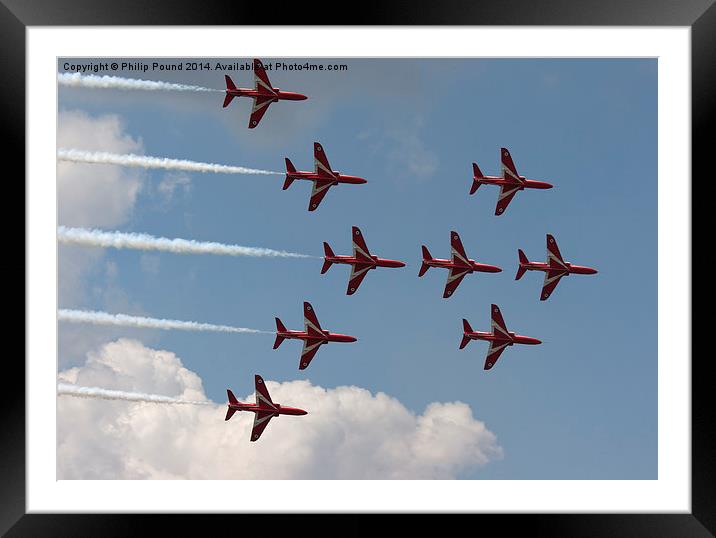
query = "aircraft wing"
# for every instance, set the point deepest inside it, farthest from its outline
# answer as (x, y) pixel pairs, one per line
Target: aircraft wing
(323, 167)
(360, 249)
(261, 105)
(508, 166)
(310, 320)
(551, 279)
(493, 353)
(310, 348)
(261, 420)
(261, 80)
(358, 273)
(554, 258)
(498, 323)
(457, 250)
(507, 193)
(320, 189)
(455, 276)
(263, 398)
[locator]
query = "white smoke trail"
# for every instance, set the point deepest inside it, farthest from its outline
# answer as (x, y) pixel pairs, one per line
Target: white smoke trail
(144, 161)
(78, 80)
(66, 389)
(123, 320)
(98, 238)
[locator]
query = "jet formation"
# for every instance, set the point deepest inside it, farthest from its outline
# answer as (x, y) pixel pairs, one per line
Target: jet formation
(362, 261)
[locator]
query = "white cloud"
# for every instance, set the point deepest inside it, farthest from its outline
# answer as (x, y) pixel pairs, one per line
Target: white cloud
(348, 433)
(75, 264)
(91, 194)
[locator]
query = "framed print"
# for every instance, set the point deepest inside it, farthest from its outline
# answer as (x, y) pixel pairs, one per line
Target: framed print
(222, 348)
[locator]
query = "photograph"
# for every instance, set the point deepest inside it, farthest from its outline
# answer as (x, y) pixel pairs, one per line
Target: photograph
(219, 221)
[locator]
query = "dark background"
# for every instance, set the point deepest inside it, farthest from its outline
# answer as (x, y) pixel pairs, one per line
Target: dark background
(15, 15)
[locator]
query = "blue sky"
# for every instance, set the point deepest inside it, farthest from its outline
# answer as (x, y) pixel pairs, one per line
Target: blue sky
(580, 406)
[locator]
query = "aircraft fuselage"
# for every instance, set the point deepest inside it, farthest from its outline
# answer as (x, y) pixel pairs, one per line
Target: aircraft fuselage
(527, 183)
(327, 336)
(514, 338)
(571, 268)
(473, 267)
(280, 410)
(376, 261)
(279, 95)
(338, 177)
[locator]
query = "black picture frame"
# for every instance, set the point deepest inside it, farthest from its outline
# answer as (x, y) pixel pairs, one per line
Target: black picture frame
(699, 15)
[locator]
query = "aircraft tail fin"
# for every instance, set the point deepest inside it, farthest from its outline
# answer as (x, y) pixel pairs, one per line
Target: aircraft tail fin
(523, 260)
(229, 86)
(290, 169)
(476, 177)
(280, 328)
(232, 400)
(426, 256)
(466, 329)
(329, 253)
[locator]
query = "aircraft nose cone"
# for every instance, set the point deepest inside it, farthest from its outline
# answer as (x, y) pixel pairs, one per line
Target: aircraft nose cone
(293, 96)
(399, 264)
(352, 339)
(363, 181)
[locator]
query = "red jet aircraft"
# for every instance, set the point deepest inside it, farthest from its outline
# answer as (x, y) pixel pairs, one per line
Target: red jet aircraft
(510, 182)
(458, 266)
(313, 337)
(499, 338)
(554, 269)
(323, 178)
(361, 262)
(264, 408)
(263, 94)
